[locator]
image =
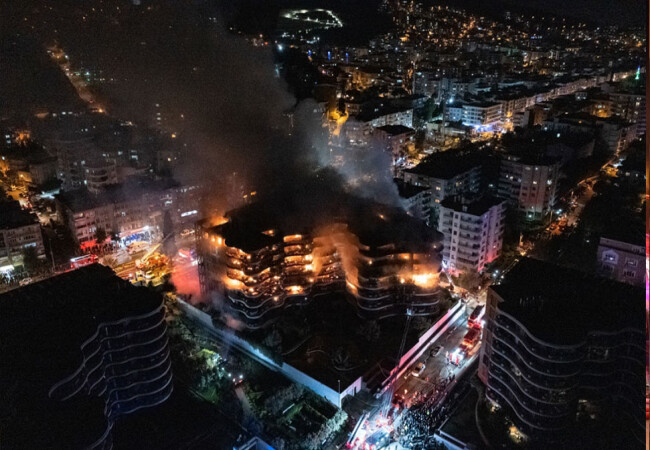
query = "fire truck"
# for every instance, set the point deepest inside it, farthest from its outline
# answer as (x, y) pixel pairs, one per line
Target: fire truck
(476, 317)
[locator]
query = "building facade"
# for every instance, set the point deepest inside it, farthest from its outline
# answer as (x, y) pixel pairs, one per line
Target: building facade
(473, 233)
(101, 352)
(622, 261)
(529, 184)
(562, 348)
(19, 230)
(483, 116)
(128, 209)
(261, 270)
(445, 180)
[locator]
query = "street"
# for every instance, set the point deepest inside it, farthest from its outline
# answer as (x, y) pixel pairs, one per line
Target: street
(429, 389)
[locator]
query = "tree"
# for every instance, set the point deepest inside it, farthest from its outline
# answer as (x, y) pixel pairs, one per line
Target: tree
(100, 235)
(469, 280)
(421, 324)
(31, 263)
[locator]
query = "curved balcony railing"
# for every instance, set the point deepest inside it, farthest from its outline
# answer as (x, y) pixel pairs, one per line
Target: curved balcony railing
(538, 347)
(531, 418)
(537, 378)
(542, 365)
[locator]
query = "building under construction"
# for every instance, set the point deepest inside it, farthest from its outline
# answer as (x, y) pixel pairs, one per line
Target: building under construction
(260, 259)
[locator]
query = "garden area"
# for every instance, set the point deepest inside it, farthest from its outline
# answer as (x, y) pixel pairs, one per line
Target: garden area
(267, 403)
(297, 417)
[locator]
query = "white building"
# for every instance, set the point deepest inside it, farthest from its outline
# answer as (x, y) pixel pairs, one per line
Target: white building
(417, 200)
(483, 116)
(473, 232)
(445, 177)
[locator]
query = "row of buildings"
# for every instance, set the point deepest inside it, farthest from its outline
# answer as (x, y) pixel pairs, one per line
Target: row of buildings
(136, 207)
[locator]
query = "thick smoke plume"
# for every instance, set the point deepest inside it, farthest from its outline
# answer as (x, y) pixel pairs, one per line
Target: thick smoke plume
(245, 131)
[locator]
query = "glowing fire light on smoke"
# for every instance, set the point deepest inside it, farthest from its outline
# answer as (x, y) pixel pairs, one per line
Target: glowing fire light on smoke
(218, 220)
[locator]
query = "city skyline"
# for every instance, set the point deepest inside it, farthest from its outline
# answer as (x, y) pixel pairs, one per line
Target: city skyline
(303, 224)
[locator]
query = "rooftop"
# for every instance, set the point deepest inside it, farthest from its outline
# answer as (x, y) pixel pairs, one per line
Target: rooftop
(446, 165)
(562, 306)
(13, 216)
(305, 211)
(42, 327)
(82, 200)
(475, 207)
(332, 325)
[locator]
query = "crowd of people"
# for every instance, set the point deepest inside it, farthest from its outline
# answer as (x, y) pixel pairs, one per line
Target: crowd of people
(418, 424)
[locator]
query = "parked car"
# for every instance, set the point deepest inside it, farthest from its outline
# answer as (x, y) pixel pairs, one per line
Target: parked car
(25, 281)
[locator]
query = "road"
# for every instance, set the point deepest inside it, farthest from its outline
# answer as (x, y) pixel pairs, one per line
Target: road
(437, 367)
(416, 388)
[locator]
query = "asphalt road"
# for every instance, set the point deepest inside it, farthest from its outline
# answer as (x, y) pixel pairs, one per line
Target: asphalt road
(436, 367)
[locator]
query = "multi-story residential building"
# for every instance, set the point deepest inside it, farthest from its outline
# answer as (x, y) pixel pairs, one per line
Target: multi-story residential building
(630, 106)
(622, 261)
(417, 200)
(19, 230)
(454, 112)
(396, 139)
(617, 133)
(485, 116)
(425, 83)
(99, 173)
(473, 232)
(133, 208)
(562, 347)
(529, 183)
(386, 115)
(80, 351)
(383, 259)
(446, 174)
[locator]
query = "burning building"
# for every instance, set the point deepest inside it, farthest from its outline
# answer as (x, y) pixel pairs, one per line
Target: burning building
(264, 259)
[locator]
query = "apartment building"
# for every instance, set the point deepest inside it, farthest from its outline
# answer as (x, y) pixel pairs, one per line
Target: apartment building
(473, 232)
(622, 261)
(529, 183)
(446, 174)
(128, 209)
(486, 116)
(19, 230)
(80, 351)
(562, 348)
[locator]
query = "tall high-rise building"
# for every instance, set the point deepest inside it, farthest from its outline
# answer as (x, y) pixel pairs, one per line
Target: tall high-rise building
(473, 232)
(563, 348)
(529, 183)
(79, 351)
